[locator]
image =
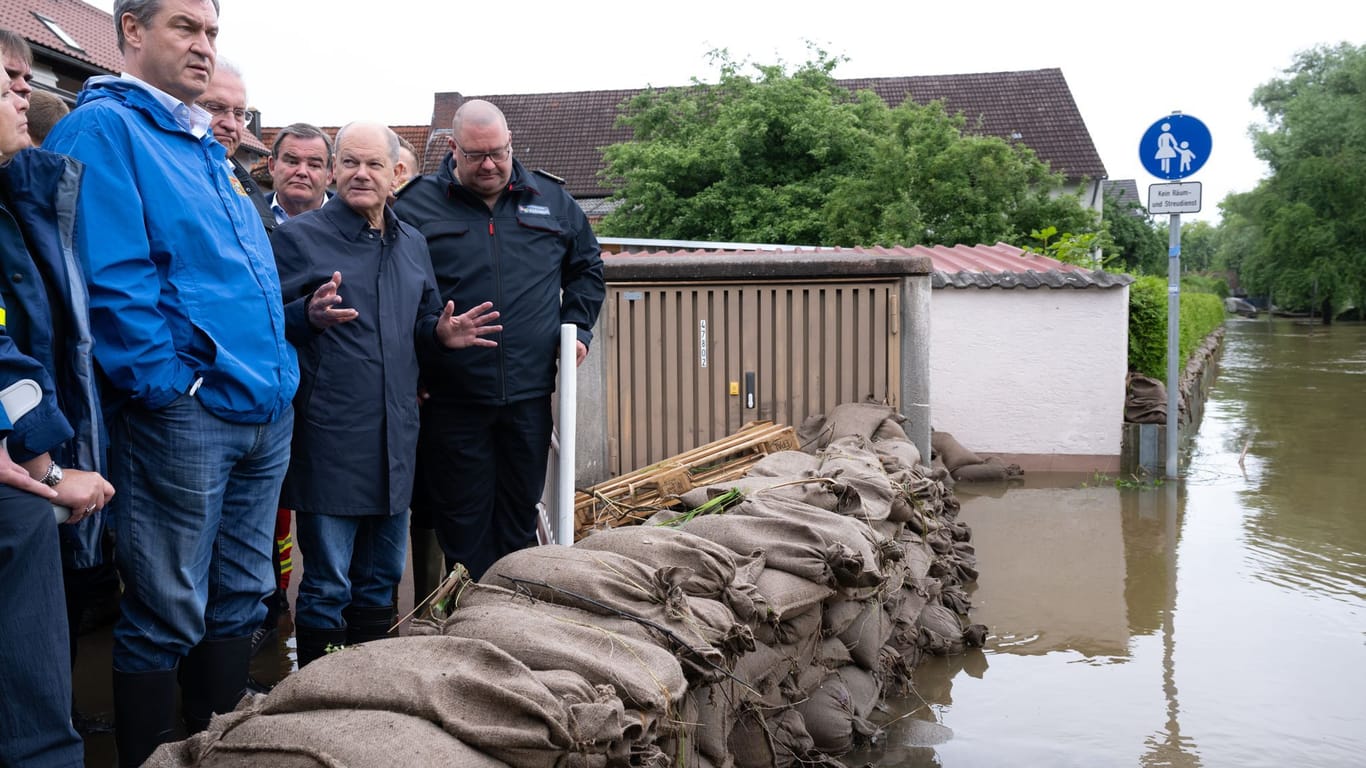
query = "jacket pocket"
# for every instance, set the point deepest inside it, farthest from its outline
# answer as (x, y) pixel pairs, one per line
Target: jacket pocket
(540, 222)
(434, 229)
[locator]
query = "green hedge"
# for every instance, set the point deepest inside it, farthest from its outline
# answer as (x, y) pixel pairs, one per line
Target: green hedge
(1201, 313)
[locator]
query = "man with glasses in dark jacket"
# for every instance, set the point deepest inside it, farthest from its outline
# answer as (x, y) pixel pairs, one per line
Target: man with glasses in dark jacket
(496, 232)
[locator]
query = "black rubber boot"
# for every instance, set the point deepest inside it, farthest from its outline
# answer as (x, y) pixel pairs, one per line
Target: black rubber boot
(144, 713)
(213, 677)
(312, 643)
(366, 623)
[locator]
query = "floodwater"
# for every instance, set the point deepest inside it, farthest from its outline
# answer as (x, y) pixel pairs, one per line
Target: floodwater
(1218, 620)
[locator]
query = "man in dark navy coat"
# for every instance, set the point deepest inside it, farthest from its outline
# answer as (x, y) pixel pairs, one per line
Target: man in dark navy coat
(355, 439)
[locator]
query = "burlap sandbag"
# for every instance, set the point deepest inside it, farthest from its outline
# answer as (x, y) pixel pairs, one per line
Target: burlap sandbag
(991, 470)
(952, 452)
(700, 660)
(865, 635)
(768, 738)
(1145, 400)
(325, 738)
(865, 692)
(864, 490)
(862, 419)
(861, 551)
(607, 584)
(477, 691)
(817, 491)
(830, 718)
(645, 676)
(787, 594)
(941, 632)
(716, 571)
(792, 628)
(896, 454)
(716, 708)
(799, 550)
(713, 566)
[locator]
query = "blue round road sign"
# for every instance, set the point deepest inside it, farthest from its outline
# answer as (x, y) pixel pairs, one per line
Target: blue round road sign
(1175, 147)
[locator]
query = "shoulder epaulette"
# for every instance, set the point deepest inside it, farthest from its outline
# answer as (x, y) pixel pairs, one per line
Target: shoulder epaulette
(550, 176)
(406, 186)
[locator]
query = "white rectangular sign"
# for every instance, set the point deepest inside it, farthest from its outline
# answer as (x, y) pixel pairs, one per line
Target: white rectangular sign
(1175, 197)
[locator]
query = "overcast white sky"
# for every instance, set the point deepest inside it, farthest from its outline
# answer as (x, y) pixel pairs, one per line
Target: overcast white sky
(329, 62)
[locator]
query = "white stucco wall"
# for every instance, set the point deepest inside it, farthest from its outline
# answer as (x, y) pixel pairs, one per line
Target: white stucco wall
(1033, 372)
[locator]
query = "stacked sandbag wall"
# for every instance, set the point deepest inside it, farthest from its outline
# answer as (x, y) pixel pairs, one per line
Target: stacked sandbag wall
(759, 628)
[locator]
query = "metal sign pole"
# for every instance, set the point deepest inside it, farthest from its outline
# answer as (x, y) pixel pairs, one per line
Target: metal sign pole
(1173, 341)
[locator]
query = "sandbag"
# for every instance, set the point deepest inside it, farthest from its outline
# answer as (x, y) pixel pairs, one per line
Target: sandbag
(940, 631)
(798, 550)
(607, 584)
(864, 490)
(897, 455)
(645, 676)
(862, 419)
(991, 470)
(859, 551)
(869, 630)
(701, 661)
(325, 738)
(952, 452)
(473, 690)
(828, 713)
(712, 566)
(787, 594)
(816, 491)
(769, 739)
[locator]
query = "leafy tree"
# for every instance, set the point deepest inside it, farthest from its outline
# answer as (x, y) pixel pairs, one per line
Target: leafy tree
(783, 157)
(1137, 246)
(1199, 243)
(1310, 241)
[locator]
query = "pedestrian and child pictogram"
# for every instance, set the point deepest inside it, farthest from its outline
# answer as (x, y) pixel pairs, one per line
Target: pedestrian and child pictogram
(1175, 146)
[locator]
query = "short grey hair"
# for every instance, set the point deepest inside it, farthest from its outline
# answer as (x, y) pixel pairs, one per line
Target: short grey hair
(303, 132)
(392, 138)
(143, 11)
(227, 66)
(13, 44)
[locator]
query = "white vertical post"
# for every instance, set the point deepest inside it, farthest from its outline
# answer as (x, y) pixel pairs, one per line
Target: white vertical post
(568, 407)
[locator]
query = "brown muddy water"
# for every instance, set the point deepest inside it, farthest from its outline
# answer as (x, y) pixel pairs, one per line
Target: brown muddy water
(1215, 621)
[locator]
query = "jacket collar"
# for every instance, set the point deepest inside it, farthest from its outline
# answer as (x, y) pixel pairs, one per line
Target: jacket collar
(136, 95)
(353, 226)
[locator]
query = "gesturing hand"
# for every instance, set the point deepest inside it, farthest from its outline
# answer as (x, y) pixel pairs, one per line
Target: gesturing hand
(323, 312)
(468, 329)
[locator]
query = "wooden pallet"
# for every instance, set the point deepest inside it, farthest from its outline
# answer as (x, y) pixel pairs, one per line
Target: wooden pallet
(633, 497)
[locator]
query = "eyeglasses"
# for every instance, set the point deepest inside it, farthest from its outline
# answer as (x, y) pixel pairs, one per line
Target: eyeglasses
(497, 155)
(216, 109)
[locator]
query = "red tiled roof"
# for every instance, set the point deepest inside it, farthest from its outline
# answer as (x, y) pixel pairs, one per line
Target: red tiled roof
(86, 24)
(958, 266)
(564, 132)
(988, 258)
(254, 144)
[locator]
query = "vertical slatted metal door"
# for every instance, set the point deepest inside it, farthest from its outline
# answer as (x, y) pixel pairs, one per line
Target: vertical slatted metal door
(691, 363)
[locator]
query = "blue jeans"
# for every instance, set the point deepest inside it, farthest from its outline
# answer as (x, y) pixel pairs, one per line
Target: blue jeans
(348, 560)
(35, 665)
(194, 527)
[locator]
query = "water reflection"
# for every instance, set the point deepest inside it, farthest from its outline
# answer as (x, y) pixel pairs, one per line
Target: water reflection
(1211, 621)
